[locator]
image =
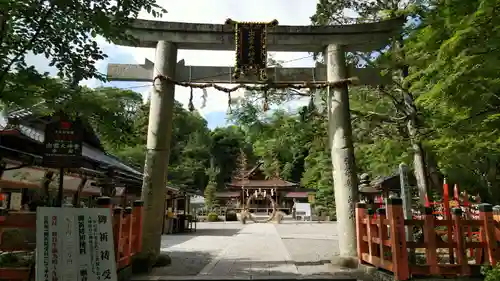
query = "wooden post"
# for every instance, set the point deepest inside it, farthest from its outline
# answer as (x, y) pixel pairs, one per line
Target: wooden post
(127, 235)
(406, 195)
(468, 216)
(372, 232)
(77, 195)
(395, 216)
(362, 246)
(460, 240)
(137, 226)
(486, 216)
(430, 241)
(382, 234)
(117, 230)
(456, 193)
(3, 165)
(447, 216)
(496, 213)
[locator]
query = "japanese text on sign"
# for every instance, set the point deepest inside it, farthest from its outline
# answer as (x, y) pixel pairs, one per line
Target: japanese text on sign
(77, 245)
(63, 144)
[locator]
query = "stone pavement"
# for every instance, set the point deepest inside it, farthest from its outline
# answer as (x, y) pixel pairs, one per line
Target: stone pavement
(232, 250)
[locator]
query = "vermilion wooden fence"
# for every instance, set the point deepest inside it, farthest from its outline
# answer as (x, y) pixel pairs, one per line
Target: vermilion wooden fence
(127, 232)
(381, 241)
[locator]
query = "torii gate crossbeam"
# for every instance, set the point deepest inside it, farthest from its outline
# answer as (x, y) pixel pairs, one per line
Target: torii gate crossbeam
(224, 75)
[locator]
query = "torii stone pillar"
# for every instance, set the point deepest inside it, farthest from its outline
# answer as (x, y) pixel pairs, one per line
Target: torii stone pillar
(158, 147)
(342, 150)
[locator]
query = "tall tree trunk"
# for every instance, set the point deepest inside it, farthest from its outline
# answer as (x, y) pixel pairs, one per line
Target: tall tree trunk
(493, 184)
(418, 164)
(416, 144)
(434, 176)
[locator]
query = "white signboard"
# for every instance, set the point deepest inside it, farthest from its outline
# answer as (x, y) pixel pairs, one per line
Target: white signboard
(303, 210)
(74, 245)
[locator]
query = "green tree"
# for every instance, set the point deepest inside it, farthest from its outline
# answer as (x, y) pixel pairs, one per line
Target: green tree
(65, 32)
(111, 111)
(226, 144)
(211, 188)
(455, 79)
(190, 149)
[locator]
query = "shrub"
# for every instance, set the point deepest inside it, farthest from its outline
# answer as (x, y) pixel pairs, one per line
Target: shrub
(491, 274)
(213, 217)
(320, 210)
(333, 215)
(231, 216)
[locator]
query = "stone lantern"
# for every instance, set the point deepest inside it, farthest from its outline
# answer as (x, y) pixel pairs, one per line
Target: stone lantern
(367, 191)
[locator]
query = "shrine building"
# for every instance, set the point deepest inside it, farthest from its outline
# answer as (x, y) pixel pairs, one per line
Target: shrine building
(284, 193)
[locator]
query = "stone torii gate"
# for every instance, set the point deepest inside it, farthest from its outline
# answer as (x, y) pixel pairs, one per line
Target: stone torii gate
(333, 41)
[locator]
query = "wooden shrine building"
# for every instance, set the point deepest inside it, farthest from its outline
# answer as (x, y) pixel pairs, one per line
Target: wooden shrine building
(23, 177)
(284, 193)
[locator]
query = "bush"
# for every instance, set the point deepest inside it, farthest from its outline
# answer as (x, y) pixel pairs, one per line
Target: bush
(320, 210)
(333, 215)
(491, 274)
(213, 217)
(231, 216)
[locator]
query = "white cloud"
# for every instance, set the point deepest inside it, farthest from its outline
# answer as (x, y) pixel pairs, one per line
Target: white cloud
(287, 12)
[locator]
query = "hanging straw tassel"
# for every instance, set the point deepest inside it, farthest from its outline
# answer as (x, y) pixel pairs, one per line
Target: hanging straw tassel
(266, 102)
(191, 105)
(229, 109)
(204, 98)
(311, 102)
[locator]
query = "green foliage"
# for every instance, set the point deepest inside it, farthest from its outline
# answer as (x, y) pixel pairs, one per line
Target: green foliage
(450, 50)
(210, 193)
(111, 111)
(190, 147)
(212, 217)
(65, 32)
(226, 144)
(491, 273)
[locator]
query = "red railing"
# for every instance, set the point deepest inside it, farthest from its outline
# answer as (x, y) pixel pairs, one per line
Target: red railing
(24, 222)
(127, 232)
(382, 241)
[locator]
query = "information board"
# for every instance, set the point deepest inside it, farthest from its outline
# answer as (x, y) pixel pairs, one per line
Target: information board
(303, 210)
(74, 245)
(63, 144)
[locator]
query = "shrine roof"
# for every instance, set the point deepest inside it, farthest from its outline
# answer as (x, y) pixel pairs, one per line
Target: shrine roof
(262, 183)
(27, 125)
(228, 194)
(391, 182)
(256, 178)
(297, 194)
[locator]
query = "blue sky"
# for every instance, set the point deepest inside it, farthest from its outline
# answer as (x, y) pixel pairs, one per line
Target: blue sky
(287, 12)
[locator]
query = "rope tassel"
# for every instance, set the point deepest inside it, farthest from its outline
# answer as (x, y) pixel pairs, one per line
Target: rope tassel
(229, 103)
(265, 107)
(191, 105)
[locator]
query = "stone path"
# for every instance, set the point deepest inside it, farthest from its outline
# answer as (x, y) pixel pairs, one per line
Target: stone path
(232, 250)
(255, 250)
